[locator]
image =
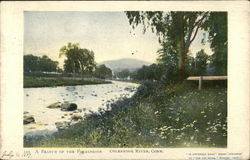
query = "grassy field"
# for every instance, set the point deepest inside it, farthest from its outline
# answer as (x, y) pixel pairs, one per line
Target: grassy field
(157, 115)
(53, 81)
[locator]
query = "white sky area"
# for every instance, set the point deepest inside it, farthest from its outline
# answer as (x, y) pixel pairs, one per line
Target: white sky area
(108, 34)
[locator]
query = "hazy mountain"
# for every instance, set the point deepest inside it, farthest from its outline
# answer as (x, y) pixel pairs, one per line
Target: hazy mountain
(126, 63)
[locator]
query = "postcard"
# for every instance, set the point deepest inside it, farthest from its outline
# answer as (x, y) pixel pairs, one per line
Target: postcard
(125, 80)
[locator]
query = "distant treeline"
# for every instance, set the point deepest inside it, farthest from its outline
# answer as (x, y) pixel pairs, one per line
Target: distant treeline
(45, 67)
(166, 68)
(40, 64)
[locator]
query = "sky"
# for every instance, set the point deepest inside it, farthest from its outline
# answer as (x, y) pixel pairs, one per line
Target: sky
(108, 34)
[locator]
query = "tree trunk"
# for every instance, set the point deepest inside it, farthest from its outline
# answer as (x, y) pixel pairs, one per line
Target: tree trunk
(182, 61)
(74, 72)
(181, 49)
(82, 69)
(74, 75)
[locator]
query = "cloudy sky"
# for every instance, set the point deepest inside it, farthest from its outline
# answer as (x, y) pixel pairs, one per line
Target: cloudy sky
(108, 34)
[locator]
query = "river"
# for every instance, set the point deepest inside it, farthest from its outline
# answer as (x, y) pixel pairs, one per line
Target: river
(89, 98)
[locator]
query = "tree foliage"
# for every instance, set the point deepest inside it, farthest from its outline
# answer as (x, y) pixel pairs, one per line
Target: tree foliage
(216, 26)
(39, 64)
(167, 67)
(177, 31)
(123, 73)
(151, 72)
(168, 59)
(103, 72)
(78, 60)
(201, 62)
(87, 61)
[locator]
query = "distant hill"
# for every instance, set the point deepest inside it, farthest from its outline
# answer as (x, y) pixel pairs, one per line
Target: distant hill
(126, 63)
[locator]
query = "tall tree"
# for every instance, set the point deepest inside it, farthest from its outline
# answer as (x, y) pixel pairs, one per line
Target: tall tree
(71, 51)
(67, 66)
(168, 59)
(216, 26)
(78, 59)
(87, 61)
(177, 29)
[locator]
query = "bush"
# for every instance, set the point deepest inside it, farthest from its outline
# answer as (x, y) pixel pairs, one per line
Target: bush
(145, 89)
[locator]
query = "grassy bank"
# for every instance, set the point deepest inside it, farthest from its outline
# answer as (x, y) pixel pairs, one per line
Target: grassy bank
(157, 115)
(52, 82)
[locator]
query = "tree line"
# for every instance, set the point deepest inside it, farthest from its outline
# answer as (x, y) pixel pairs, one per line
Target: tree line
(79, 61)
(198, 65)
(40, 64)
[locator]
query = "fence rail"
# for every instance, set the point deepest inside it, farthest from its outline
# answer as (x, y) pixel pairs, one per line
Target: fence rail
(201, 78)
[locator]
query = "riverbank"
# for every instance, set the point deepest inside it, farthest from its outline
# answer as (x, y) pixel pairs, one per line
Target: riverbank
(32, 82)
(88, 98)
(158, 115)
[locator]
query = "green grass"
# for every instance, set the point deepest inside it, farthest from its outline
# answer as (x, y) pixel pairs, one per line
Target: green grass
(52, 82)
(157, 116)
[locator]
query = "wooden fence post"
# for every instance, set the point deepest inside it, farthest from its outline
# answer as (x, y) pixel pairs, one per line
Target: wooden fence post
(200, 82)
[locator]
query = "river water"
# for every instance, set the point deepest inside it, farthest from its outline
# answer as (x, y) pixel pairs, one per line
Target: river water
(88, 98)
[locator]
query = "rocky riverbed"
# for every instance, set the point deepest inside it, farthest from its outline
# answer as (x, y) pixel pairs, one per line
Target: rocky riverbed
(48, 109)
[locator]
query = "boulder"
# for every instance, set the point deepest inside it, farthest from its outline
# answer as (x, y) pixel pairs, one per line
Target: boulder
(25, 112)
(68, 107)
(76, 116)
(55, 105)
(62, 125)
(28, 119)
(93, 94)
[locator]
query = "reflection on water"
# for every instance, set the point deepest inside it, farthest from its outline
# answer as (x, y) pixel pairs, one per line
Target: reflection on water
(87, 97)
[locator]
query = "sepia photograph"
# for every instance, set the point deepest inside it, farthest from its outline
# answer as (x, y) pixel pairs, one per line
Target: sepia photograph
(125, 79)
